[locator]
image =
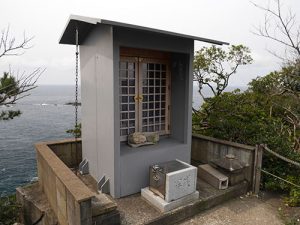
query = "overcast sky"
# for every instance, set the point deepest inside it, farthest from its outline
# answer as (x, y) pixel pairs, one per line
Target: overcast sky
(231, 21)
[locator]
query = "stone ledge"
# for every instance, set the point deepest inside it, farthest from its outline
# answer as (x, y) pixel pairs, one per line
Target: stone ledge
(59, 142)
(101, 203)
(72, 183)
(164, 206)
(224, 142)
(35, 207)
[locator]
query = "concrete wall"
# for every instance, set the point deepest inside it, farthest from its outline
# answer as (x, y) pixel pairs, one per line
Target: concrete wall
(66, 151)
(98, 103)
(68, 197)
(181, 97)
(205, 149)
(132, 165)
(135, 162)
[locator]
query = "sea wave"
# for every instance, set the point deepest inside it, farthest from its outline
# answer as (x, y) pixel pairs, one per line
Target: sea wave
(47, 104)
(34, 179)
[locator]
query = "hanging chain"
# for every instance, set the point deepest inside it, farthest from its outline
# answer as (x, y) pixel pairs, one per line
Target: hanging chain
(76, 97)
(76, 87)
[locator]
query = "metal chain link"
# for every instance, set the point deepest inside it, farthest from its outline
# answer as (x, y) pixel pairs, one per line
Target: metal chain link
(76, 95)
(76, 86)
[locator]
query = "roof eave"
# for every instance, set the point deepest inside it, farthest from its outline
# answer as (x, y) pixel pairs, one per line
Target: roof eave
(86, 24)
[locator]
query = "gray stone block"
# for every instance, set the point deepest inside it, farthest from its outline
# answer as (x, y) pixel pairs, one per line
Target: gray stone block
(212, 176)
(164, 206)
(181, 183)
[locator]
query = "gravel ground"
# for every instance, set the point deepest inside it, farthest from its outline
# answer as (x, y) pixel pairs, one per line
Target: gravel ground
(247, 210)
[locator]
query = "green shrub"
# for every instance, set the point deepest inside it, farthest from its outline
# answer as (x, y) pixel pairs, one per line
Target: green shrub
(9, 210)
(76, 131)
(294, 197)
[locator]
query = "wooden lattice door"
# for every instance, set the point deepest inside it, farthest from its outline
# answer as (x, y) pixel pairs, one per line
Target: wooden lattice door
(144, 96)
(153, 87)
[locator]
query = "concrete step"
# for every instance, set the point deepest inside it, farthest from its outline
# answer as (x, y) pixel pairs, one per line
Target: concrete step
(212, 176)
(35, 208)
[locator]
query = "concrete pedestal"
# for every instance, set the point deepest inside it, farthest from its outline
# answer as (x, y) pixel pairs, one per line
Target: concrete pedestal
(181, 183)
(164, 206)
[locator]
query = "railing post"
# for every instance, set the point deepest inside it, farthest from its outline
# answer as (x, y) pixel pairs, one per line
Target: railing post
(257, 168)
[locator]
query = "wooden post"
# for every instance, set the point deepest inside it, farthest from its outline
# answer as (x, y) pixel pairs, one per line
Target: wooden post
(257, 168)
(254, 168)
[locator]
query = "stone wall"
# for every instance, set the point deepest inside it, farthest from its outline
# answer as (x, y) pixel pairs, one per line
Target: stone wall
(69, 198)
(66, 151)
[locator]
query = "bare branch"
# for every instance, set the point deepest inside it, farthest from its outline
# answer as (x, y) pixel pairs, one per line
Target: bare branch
(8, 45)
(12, 86)
(282, 30)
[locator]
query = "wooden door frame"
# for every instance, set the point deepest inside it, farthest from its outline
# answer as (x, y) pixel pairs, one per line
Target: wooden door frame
(150, 56)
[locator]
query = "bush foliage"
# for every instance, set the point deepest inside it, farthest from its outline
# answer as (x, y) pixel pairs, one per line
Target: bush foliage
(9, 210)
(76, 131)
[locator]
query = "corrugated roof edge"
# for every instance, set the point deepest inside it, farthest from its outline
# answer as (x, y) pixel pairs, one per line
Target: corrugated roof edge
(94, 21)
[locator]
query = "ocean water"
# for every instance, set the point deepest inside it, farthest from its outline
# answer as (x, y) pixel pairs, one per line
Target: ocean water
(44, 117)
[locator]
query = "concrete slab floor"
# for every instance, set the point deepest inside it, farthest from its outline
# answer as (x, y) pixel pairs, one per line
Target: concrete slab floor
(246, 210)
(135, 211)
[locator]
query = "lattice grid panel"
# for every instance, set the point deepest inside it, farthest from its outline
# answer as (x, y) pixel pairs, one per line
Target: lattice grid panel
(127, 101)
(154, 92)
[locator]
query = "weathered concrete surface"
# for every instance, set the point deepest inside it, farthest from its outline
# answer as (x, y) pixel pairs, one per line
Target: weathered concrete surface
(164, 206)
(206, 149)
(146, 214)
(35, 206)
(102, 203)
(143, 212)
(66, 151)
(104, 208)
(181, 183)
(68, 197)
(239, 211)
(212, 176)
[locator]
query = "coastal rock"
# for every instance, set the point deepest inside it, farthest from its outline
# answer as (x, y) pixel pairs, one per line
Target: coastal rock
(73, 103)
